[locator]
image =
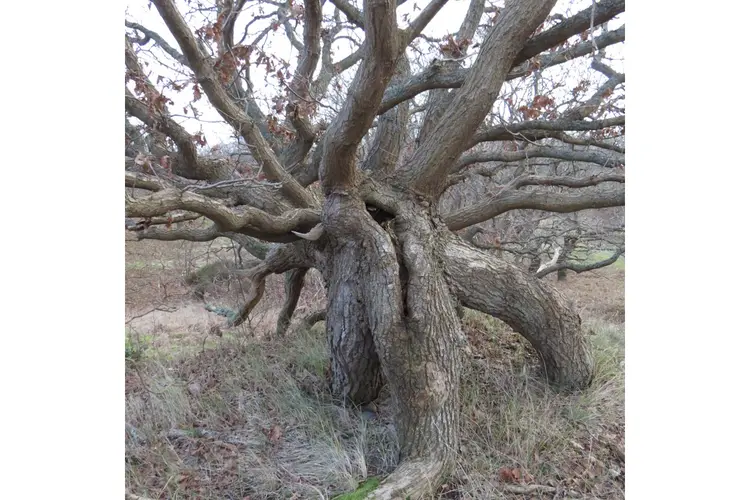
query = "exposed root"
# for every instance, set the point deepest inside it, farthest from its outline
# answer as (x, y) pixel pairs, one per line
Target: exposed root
(413, 479)
(313, 318)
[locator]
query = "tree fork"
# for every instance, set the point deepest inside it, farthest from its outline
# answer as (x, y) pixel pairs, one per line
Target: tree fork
(412, 318)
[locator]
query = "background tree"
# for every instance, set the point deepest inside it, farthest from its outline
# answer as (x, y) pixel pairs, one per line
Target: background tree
(366, 167)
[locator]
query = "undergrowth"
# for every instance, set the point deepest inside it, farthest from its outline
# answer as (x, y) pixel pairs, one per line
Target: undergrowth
(238, 419)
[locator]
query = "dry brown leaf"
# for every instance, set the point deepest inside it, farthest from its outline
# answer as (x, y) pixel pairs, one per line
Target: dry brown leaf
(275, 433)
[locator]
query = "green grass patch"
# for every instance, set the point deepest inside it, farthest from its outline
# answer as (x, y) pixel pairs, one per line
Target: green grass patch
(361, 492)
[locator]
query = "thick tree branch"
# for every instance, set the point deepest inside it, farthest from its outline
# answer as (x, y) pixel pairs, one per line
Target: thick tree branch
(179, 233)
(246, 220)
(242, 191)
(590, 156)
(422, 20)
(230, 12)
(592, 104)
(603, 12)
(166, 220)
(439, 99)
(507, 200)
(486, 283)
(513, 131)
(353, 121)
(390, 134)
(351, 12)
(236, 117)
(143, 181)
(579, 50)
(568, 181)
(294, 280)
(437, 75)
(158, 40)
(278, 260)
(581, 268)
(301, 105)
(428, 169)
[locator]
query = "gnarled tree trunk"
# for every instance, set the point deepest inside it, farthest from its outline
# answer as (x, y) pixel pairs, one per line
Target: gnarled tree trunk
(393, 290)
(390, 310)
(395, 273)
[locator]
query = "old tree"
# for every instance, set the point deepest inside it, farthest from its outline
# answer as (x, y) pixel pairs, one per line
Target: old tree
(348, 155)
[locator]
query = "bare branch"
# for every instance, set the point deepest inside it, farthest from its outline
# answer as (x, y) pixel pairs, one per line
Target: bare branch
(422, 20)
(591, 156)
(246, 220)
(143, 181)
(219, 98)
(428, 169)
(592, 104)
(391, 132)
(439, 99)
(179, 233)
(230, 11)
(158, 40)
(351, 12)
(508, 200)
(578, 50)
(243, 191)
(568, 181)
(438, 76)
(581, 268)
(604, 11)
(278, 260)
(168, 220)
(300, 105)
(294, 280)
(512, 131)
(351, 124)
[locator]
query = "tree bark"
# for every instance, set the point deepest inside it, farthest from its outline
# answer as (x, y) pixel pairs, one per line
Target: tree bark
(398, 318)
(568, 246)
(293, 282)
(528, 305)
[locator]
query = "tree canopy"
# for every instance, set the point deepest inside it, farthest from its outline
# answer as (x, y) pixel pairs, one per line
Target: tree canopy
(374, 141)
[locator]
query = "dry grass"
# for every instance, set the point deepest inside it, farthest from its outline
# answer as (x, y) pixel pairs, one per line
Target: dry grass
(249, 416)
(246, 419)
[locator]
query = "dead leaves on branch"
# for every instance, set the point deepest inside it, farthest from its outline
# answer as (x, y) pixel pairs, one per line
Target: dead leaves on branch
(156, 101)
(541, 105)
(454, 48)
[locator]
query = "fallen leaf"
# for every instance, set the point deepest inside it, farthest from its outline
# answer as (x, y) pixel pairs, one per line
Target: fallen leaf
(509, 475)
(275, 433)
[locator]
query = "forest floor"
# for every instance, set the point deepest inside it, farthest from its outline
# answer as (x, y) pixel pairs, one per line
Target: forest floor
(249, 416)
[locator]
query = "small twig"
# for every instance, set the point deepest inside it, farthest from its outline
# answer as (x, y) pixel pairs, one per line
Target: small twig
(130, 496)
(527, 488)
(162, 309)
(230, 182)
(311, 99)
